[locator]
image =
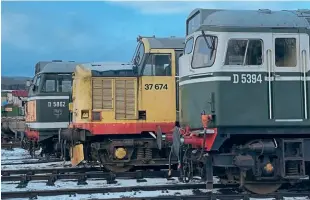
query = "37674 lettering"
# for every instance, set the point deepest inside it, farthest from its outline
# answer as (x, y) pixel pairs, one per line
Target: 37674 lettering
(56, 104)
(156, 87)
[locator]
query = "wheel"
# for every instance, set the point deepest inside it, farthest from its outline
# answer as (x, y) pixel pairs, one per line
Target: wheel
(113, 168)
(250, 184)
(262, 188)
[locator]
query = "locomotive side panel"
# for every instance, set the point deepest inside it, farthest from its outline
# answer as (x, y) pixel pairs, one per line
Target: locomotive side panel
(81, 95)
(241, 99)
(58, 108)
(243, 96)
(157, 89)
(127, 105)
(196, 98)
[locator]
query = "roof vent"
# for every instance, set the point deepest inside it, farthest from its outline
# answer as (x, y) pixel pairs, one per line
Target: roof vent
(266, 11)
(56, 60)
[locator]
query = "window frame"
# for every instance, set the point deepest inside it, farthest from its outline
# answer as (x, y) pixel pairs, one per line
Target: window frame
(248, 39)
(137, 51)
(55, 86)
(193, 45)
(56, 79)
(152, 56)
(189, 19)
(36, 83)
(210, 65)
(296, 52)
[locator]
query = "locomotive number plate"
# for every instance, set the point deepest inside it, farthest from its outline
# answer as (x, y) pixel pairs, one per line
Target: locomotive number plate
(247, 78)
(56, 104)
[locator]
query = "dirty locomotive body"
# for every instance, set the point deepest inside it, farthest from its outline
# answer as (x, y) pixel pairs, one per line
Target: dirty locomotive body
(47, 109)
(118, 109)
(244, 98)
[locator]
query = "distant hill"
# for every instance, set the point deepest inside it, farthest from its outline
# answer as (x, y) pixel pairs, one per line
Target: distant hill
(14, 82)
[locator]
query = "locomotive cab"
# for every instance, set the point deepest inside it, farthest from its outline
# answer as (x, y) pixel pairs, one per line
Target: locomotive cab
(118, 108)
(247, 73)
(47, 106)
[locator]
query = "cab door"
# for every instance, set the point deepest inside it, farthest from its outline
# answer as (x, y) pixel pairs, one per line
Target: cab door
(158, 86)
(287, 80)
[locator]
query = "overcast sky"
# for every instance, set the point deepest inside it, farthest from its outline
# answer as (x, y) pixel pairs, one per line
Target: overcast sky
(94, 31)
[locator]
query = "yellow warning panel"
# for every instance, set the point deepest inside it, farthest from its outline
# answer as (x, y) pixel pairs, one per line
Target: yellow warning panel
(76, 154)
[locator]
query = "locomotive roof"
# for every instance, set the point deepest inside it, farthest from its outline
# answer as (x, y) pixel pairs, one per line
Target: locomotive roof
(165, 43)
(108, 69)
(262, 18)
(59, 67)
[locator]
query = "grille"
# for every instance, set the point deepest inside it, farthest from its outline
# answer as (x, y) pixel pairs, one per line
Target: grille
(102, 94)
(125, 99)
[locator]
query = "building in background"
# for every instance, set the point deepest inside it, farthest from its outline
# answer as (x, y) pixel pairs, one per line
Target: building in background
(13, 102)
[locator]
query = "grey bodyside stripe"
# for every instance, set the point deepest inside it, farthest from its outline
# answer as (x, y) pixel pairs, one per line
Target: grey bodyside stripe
(47, 125)
(206, 79)
(47, 97)
(289, 120)
(229, 78)
(287, 78)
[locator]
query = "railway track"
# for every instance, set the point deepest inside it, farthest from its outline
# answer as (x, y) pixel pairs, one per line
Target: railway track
(59, 170)
(47, 170)
(10, 146)
(82, 174)
(212, 196)
(228, 194)
(79, 174)
(74, 191)
(32, 162)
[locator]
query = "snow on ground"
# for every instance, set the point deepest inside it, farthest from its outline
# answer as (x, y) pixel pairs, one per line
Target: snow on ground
(36, 166)
(17, 155)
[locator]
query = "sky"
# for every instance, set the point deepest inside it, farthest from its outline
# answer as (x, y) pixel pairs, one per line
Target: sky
(94, 31)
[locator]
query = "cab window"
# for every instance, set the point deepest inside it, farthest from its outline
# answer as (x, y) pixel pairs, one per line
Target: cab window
(139, 54)
(244, 52)
(37, 82)
(158, 65)
(204, 51)
(57, 83)
(189, 46)
(285, 52)
(49, 86)
(64, 83)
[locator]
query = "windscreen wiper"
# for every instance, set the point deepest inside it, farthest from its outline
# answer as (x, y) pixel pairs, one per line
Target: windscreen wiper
(209, 46)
